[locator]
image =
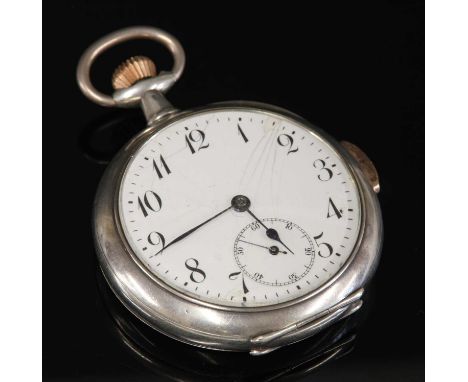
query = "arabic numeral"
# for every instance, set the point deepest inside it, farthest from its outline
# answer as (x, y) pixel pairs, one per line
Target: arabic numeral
(257, 276)
(286, 140)
(325, 173)
(234, 275)
(254, 226)
(196, 136)
(293, 277)
(241, 132)
(197, 275)
(328, 249)
(335, 211)
(151, 202)
(156, 238)
(163, 166)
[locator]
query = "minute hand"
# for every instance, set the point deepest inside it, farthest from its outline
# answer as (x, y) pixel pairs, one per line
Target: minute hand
(185, 234)
(270, 232)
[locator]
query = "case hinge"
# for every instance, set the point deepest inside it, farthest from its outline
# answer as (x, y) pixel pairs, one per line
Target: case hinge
(266, 343)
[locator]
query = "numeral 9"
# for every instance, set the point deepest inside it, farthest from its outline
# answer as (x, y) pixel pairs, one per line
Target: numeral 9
(156, 238)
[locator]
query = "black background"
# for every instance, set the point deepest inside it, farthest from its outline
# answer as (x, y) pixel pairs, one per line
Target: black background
(355, 69)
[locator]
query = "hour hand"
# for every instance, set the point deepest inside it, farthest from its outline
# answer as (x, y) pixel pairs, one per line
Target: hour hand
(270, 232)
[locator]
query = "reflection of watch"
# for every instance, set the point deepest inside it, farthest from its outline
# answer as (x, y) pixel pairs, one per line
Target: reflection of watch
(298, 208)
(166, 358)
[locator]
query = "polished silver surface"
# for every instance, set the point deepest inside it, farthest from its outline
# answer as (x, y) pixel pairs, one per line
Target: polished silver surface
(155, 106)
(131, 96)
(258, 330)
(312, 323)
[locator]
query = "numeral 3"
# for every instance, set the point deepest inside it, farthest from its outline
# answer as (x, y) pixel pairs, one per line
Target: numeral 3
(325, 173)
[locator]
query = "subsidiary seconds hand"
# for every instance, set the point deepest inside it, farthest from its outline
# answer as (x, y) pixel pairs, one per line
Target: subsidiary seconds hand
(185, 234)
(274, 250)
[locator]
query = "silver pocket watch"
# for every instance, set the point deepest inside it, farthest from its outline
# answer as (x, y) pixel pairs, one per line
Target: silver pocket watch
(236, 226)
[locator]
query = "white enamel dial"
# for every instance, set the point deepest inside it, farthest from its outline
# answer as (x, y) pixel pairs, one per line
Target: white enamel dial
(178, 215)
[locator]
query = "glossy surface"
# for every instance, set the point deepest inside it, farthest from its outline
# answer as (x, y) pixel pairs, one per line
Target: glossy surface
(155, 352)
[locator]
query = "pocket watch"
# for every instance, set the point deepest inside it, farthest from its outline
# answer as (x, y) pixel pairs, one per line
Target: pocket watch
(236, 226)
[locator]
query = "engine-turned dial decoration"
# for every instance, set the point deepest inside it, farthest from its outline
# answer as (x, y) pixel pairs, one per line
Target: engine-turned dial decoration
(269, 262)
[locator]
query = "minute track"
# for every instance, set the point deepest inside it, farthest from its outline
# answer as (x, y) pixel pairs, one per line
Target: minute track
(231, 164)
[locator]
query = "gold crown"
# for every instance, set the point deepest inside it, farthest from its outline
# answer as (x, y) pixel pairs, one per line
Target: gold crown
(133, 70)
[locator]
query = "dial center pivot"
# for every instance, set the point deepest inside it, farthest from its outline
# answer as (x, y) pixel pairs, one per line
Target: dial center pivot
(240, 203)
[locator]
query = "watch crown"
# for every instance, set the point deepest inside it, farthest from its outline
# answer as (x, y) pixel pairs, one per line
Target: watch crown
(133, 70)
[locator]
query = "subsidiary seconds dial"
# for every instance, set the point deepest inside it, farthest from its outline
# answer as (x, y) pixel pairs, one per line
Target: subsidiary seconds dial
(269, 262)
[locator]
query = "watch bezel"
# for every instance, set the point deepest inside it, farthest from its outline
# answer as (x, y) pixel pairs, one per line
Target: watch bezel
(184, 317)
